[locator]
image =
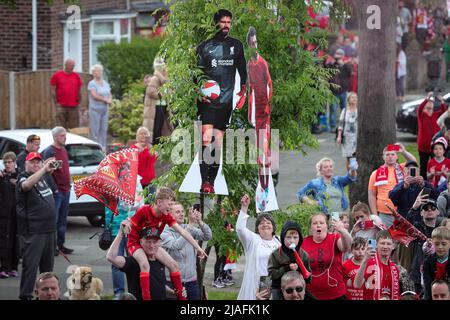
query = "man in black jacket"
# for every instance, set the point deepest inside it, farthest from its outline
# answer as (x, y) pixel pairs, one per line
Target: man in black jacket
(219, 58)
(36, 216)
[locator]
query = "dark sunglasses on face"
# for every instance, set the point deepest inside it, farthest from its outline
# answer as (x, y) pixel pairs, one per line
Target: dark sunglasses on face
(427, 208)
(291, 290)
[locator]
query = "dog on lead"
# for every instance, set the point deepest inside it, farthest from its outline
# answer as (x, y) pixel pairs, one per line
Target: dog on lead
(82, 285)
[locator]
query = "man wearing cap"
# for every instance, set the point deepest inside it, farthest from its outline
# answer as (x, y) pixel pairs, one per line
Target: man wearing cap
(33, 144)
(384, 179)
(150, 240)
(342, 79)
(61, 178)
(424, 215)
(36, 215)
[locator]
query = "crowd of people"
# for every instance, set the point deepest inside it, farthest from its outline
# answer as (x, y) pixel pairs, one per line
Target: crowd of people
(352, 251)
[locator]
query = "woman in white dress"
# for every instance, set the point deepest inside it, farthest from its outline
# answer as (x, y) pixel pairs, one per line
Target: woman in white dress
(348, 128)
(257, 249)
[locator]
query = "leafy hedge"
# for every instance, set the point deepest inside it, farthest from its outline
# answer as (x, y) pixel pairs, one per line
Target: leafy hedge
(125, 63)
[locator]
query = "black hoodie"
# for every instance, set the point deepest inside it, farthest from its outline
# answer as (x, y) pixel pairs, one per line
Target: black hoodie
(280, 259)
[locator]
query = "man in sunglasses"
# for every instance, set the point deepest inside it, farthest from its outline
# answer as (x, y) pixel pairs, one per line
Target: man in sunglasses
(293, 286)
(427, 209)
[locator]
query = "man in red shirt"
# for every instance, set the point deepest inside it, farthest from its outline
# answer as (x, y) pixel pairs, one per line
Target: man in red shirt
(61, 177)
(66, 92)
(378, 276)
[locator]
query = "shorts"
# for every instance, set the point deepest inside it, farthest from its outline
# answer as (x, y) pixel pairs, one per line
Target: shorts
(218, 117)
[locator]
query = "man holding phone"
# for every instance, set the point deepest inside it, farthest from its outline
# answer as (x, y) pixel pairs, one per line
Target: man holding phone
(61, 176)
(378, 275)
(405, 193)
(384, 179)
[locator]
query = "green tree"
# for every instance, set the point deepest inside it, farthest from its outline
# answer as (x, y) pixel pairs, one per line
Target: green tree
(300, 83)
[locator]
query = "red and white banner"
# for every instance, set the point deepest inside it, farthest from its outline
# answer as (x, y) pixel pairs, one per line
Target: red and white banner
(115, 179)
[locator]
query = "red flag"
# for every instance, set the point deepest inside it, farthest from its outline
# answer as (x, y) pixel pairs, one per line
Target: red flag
(115, 179)
(402, 230)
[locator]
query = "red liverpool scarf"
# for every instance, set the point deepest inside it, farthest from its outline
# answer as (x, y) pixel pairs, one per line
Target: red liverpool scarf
(382, 175)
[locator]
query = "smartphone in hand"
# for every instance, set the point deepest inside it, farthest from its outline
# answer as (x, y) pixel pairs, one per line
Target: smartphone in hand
(426, 191)
(373, 244)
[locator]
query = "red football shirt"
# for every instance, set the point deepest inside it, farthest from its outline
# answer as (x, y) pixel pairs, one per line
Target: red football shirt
(326, 265)
(438, 168)
(441, 270)
(68, 88)
(145, 218)
(146, 165)
(374, 284)
(350, 270)
(259, 78)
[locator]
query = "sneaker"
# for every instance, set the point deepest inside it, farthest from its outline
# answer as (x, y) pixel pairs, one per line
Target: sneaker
(228, 282)
(218, 284)
(13, 274)
(65, 250)
(56, 252)
(3, 275)
(207, 187)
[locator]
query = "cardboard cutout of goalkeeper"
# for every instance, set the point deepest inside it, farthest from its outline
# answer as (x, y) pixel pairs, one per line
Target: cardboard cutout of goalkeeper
(221, 58)
(260, 94)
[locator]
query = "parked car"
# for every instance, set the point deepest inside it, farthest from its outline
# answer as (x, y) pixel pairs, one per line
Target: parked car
(84, 157)
(407, 115)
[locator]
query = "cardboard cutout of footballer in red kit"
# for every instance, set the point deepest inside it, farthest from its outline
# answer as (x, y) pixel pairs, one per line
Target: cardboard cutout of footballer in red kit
(260, 94)
(115, 179)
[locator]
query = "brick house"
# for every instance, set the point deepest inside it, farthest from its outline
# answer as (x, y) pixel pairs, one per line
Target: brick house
(100, 21)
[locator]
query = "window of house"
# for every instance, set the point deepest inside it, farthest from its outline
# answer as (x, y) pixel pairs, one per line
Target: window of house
(110, 29)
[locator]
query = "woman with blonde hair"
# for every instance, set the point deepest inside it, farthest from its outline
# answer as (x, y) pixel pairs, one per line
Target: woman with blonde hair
(100, 99)
(327, 190)
(348, 128)
(156, 115)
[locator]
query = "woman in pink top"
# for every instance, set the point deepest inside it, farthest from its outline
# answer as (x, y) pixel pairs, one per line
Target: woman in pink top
(325, 250)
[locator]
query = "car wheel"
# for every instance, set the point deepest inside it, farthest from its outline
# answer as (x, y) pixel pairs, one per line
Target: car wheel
(96, 221)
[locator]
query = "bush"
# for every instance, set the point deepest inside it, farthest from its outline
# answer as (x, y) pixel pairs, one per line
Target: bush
(125, 63)
(126, 115)
(299, 213)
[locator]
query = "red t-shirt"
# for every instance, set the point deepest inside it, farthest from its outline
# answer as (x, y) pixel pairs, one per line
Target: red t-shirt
(326, 264)
(62, 175)
(145, 218)
(374, 284)
(259, 77)
(146, 165)
(427, 127)
(437, 167)
(350, 270)
(441, 270)
(67, 88)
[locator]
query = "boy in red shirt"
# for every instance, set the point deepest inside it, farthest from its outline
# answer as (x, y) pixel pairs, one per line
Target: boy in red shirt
(158, 216)
(436, 266)
(438, 167)
(351, 267)
(378, 276)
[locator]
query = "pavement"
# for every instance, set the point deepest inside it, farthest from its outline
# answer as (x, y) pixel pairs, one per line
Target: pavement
(295, 171)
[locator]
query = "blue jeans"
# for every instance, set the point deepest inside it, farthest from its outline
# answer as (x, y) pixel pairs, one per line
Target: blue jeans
(118, 276)
(62, 209)
(342, 103)
(192, 290)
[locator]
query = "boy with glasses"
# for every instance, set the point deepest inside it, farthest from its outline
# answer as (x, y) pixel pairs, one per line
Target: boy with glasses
(8, 226)
(33, 145)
